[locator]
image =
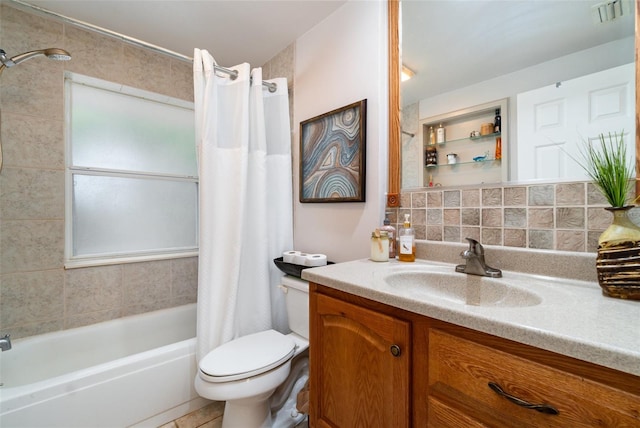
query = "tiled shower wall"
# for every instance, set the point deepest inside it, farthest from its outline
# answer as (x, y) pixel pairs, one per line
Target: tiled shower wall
(560, 216)
(37, 295)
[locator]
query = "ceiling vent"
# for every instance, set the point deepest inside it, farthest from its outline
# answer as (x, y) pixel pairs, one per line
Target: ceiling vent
(608, 11)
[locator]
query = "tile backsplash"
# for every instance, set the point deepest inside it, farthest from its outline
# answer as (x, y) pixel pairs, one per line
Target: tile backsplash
(566, 216)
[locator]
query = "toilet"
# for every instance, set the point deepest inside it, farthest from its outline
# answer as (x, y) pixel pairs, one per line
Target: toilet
(246, 371)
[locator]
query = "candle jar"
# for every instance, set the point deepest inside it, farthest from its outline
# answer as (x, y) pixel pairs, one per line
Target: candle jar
(380, 246)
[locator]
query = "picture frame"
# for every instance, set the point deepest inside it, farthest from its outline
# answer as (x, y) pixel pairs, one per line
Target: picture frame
(333, 155)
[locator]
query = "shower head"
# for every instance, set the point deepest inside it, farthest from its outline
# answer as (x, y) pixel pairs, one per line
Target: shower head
(51, 53)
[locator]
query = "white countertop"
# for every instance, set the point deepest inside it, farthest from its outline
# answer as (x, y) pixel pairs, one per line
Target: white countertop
(572, 317)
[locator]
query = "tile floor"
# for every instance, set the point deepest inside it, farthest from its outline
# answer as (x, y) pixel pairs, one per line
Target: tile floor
(209, 416)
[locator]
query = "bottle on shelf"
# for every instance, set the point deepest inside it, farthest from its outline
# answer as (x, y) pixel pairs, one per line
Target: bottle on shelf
(497, 122)
(440, 137)
(431, 156)
(391, 232)
(432, 136)
(498, 148)
(407, 249)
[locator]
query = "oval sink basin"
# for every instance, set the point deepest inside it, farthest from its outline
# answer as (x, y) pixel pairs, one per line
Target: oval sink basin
(460, 288)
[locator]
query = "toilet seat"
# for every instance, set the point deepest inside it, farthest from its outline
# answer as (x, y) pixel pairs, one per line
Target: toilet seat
(246, 356)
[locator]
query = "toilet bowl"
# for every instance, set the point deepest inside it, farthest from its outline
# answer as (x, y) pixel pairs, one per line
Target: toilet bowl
(246, 371)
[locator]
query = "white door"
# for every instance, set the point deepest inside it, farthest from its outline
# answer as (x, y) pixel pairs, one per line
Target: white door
(554, 122)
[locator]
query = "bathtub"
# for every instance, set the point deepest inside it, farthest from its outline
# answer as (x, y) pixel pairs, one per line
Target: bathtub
(136, 370)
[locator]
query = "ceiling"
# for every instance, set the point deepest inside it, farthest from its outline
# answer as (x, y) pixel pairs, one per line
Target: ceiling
(233, 31)
(448, 43)
(451, 44)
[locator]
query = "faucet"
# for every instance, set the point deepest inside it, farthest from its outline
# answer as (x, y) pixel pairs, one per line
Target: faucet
(5, 343)
(475, 264)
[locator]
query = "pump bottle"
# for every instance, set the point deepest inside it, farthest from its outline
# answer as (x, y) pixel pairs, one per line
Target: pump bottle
(407, 248)
(391, 231)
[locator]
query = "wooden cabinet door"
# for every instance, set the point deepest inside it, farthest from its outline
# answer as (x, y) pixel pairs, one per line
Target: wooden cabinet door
(359, 366)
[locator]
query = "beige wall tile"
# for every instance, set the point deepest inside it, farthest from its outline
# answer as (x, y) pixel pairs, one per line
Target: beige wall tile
(30, 141)
(515, 196)
(147, 283)
(570, 240)
(492, 197)
(27, 194)
(491, 236)
(570, 194)
(540, 217)
(515, 238)
(418, 217)
(451, 217)
(184, 277)
(491, 217)
(31, 297)
(29, 245)
(541, 239)
(434, 199)
(570, 218)
(471, 198)
(418, 200)
(470, 216)
(451, 233)
(515, 217)
(451, 198)
(95, 55)
(93, 289)
(541, 195)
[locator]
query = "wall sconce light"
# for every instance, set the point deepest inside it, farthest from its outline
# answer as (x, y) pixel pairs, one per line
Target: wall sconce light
(406, 74)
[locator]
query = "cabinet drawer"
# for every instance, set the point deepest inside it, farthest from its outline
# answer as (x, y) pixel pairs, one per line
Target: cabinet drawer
(460, 371)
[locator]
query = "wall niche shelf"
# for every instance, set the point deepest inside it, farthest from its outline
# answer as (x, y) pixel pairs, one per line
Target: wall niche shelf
(459, 125)
(480, 163)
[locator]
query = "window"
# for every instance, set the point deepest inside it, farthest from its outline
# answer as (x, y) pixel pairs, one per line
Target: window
(132, 186)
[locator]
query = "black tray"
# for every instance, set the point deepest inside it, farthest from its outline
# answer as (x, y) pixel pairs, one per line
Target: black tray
(291, 268)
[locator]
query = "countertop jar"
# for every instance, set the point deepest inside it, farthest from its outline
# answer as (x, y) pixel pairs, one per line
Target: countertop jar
(380, 246)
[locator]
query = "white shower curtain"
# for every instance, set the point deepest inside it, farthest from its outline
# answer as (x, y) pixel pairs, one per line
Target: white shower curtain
(244, 151)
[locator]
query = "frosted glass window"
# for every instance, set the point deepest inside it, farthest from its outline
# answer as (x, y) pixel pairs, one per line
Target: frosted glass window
(132, 215)
(132, 186)
(120, 131)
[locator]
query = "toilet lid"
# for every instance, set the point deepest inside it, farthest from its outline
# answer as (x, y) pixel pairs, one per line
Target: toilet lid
(247, 356)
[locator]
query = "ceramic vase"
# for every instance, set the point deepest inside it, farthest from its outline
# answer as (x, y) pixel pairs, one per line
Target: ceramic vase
(618, 260)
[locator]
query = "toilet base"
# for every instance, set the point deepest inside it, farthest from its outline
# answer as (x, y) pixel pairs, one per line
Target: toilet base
(255, 413)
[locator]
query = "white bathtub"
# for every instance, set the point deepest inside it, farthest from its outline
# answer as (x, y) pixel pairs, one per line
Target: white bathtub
(136, 370)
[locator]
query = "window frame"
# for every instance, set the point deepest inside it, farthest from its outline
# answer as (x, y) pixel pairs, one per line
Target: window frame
(74, 261)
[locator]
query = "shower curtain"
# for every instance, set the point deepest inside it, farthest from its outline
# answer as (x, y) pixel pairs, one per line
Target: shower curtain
(246, 220)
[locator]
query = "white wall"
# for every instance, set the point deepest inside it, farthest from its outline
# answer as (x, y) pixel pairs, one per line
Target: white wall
(340, 61)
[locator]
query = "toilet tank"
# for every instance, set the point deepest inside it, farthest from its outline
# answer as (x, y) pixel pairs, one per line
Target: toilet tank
(297, 301)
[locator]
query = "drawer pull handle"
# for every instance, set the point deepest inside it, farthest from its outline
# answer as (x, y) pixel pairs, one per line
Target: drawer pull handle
(542, 408)
(395, 350)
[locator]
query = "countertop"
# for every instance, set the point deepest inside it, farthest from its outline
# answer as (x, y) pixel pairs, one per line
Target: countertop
(568, 316)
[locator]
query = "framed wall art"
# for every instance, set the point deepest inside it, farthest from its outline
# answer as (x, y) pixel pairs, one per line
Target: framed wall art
(332, 155)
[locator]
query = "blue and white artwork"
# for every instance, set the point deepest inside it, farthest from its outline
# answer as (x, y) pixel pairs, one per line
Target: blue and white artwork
(332, 155)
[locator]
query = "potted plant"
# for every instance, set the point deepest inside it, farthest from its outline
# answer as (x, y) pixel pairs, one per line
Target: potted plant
(619, 245)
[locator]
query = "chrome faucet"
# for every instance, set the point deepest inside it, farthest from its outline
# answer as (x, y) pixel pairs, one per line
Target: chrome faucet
(475, 264)
(5, 343)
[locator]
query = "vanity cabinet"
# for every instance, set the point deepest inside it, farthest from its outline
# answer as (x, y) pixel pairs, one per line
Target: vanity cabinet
(448, 376)
(360, 360)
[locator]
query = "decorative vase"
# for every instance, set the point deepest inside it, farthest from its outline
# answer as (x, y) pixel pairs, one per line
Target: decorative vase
(618, 260)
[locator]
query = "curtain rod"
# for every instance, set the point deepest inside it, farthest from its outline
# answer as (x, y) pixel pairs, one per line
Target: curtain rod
(233, 74)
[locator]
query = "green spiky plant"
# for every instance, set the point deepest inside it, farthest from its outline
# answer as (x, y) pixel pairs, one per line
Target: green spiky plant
(609, 168)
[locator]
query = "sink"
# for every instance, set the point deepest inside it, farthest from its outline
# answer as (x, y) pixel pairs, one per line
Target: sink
(435, 283)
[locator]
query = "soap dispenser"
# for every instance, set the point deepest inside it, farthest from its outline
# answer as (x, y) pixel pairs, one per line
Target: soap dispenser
(407, 249)
(391, 232)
